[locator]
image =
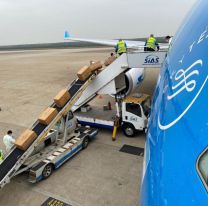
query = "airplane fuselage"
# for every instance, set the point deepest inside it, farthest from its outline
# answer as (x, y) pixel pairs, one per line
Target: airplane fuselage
(176, 159)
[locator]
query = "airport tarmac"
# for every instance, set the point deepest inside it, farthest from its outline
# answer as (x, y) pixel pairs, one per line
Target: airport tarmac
(101, 174)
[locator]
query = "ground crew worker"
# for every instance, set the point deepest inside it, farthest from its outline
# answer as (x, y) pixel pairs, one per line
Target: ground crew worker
(168, 39)
(8, 140)
(1, 156)
(151, 44)
(121, 47)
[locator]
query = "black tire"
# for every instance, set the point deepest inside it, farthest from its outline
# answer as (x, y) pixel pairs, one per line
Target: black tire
(47, 171)
(128, 130)
(85, 142)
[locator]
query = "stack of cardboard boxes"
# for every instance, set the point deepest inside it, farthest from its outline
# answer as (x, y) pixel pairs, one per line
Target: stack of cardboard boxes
(29, 136)
(86, 71)
(25, 139)
(46, 117)
(109, 60)
(62, 98)
(95, 66)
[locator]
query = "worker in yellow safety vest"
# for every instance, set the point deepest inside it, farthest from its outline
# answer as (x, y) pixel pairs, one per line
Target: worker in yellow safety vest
(1, 156)
(151, 44)
(121, 47)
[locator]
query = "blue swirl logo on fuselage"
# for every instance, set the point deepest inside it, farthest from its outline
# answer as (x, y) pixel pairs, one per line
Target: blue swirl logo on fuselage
(183, 80)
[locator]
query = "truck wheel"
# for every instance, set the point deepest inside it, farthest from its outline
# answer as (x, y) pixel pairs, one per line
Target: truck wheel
(85, 142)
(128, 130)
(47, 171)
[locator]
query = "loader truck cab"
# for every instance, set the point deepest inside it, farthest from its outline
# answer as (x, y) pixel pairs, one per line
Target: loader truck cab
(132, 113)
(135, 112)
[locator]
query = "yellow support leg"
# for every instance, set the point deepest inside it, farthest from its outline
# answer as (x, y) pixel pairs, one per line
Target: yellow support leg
(116, 125)
(114, 133)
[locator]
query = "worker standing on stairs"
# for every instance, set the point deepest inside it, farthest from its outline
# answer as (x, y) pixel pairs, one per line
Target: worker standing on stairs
(151, 44)
(121, 47)
(8, 140)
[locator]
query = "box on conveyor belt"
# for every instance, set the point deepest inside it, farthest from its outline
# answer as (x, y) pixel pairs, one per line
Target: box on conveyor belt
(95, 66)
(62, 98)
(47, 115)
(84, 73)
(109, 60)
(25, 139)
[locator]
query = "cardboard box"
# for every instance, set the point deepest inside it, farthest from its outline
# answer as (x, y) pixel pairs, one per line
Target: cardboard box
(47, 116)
(84, 73)
(25, 139)
(95, 66)
(109, 60)
(62, 98)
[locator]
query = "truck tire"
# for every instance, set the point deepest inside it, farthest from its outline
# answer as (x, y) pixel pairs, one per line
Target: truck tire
(128, 130)
(47, 171)
(85, 142)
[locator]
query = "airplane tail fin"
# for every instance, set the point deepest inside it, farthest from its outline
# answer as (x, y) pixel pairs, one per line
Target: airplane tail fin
(66, 35)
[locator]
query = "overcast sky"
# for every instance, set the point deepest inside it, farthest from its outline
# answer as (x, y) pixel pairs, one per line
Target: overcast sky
(41, 21)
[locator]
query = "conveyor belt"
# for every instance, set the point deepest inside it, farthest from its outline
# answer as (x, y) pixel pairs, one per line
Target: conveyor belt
(38, 128)
(75, 87)
(9, 162)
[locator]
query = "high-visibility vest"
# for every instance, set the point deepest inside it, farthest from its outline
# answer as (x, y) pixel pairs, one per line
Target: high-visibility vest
(121, 47)
(151, 43)
(1, 155)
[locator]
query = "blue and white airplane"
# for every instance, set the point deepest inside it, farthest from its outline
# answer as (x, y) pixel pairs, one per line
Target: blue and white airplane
(176, 157)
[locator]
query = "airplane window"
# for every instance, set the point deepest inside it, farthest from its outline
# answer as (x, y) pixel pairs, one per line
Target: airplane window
(202, 167)
(134, 109)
